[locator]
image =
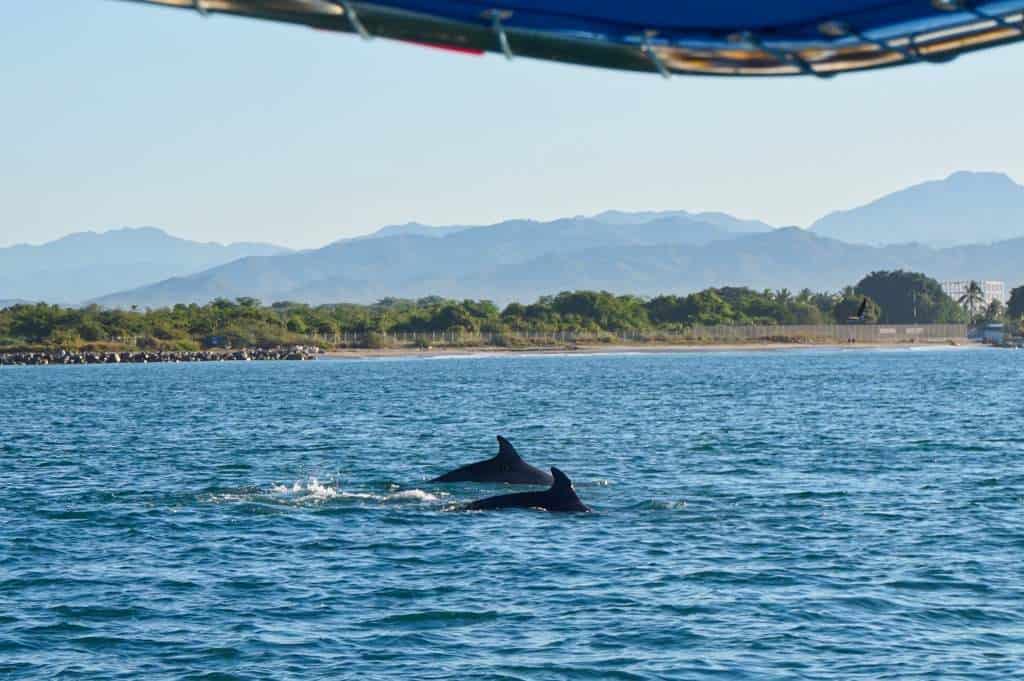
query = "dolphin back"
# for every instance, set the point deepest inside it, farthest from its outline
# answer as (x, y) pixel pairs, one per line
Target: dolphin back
(517, 500)
(505, 467)
(462, 474)
(560, 497)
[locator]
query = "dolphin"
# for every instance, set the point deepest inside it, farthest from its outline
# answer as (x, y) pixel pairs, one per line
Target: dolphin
(561, 497)
(506, 466)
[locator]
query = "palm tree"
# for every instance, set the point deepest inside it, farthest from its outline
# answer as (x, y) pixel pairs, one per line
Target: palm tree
(973, 298)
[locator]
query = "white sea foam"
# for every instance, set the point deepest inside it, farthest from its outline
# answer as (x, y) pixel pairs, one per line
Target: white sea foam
(316, 491)
(359, 495)
(413, 495)
(945, 348)
(319, 491)
(310, 489)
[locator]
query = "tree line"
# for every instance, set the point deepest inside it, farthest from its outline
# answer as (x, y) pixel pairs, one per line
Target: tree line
(892, 297)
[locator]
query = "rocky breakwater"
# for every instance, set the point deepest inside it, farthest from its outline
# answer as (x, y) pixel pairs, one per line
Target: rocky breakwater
(297, 352)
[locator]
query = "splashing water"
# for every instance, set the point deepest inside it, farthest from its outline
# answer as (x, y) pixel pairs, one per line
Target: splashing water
(315, 491)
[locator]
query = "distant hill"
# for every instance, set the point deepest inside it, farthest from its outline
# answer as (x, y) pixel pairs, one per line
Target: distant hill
(368, 268)
(785, 258)
(520, 260)
(964, 208)
(684, 219)
(644, 252)
(85, 265)
(724, 220)
(414, 229)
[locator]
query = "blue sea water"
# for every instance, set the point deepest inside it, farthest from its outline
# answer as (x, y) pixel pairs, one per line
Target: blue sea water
(773, 515)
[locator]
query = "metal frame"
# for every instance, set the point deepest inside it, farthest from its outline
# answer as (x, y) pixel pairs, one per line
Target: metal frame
(836, 46)
(497, 16)
(353, 19)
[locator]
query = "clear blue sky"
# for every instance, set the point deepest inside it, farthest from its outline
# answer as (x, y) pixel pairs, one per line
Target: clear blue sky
(226, 129)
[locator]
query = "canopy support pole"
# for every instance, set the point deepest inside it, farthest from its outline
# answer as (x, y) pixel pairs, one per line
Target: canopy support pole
(353, 19)
(497, 16)
(751, 40)
(648, 49)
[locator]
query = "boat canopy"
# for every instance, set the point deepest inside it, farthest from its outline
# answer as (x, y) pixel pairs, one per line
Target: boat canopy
(708, 37)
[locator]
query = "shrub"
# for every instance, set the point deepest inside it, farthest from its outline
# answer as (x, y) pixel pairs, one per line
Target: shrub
(376, 341)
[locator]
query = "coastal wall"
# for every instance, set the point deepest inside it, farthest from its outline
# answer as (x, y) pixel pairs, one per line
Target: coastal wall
(71, 357)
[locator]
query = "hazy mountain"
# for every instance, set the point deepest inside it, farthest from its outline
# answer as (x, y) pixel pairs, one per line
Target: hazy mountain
(369, 268)
(724, 220)
(85, 265)
(414, 229)
(635, 252)
(609, 217)
(964, 208)
(521, 260)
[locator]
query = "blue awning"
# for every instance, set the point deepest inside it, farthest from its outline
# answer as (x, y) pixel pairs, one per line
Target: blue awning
(712, 37)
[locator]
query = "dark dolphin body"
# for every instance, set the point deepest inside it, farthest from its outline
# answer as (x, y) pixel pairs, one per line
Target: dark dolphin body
(561, 497)
(507, 466)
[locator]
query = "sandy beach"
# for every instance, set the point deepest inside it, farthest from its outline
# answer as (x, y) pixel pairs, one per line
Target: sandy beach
(609, 349)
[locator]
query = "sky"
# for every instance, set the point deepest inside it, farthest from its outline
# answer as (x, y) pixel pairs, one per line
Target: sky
(227, 129)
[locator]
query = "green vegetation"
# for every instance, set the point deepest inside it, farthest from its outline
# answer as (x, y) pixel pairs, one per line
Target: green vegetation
(893, 297)
(909, 298)
(1015, 308)
(848, 305)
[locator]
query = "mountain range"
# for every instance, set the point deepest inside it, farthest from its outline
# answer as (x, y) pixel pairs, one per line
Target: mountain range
(922, 228)
(86, 265)
(406, 261)
(476, 264)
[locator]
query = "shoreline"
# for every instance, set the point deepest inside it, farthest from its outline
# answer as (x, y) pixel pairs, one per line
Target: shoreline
(617, 349)
(410, 352)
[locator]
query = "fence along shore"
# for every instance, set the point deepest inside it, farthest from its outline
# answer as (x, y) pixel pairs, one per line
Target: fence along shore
(810, 333)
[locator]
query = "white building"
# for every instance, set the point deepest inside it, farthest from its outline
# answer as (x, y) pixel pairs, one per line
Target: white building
(993, 290)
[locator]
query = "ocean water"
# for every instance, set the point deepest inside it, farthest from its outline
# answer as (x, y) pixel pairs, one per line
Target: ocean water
(774, 515)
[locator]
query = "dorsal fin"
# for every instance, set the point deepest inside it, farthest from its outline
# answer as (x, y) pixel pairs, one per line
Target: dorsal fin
(562, 496)
(562, 482)
(506, 452)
